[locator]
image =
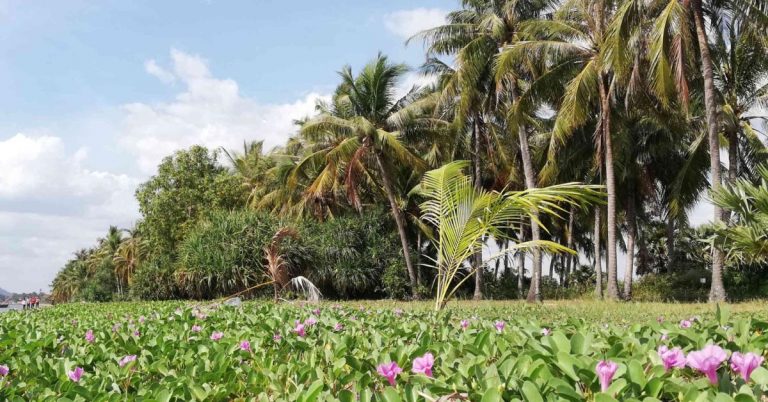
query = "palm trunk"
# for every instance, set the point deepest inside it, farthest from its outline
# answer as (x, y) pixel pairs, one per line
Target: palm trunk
(569, 243)
(610, 186)
(419, 274)
(631, 235)
(534, 292)
(717, 292)
(399, 220)
(598, 265)
(478, 256)
(670, 242)
(733, 164)
(520, 263)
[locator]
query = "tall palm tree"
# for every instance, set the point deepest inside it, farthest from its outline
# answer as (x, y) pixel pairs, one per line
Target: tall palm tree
(129, 254)
(574, 41)
(474, 35)
(359, 142)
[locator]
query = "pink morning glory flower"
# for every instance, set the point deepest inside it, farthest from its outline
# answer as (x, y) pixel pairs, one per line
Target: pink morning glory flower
(671, 357)
(499, 326)
(398, 312)
(310, 321)
(89, 336)
(277, 337)
(389, 371)
(115, 327)
(464, 324)
(4, 370)
(217, 335)
(245, 346)
(707, 360)
(744, 364)
(545, 331)
(605, 370)
(664, 337)
(299, 330)
(127, 359)
(316, 311)
(685, 324)
(338, 327)
(196, 328)
(76, 374)
(141, 320)
(424, 364)
(136, 333)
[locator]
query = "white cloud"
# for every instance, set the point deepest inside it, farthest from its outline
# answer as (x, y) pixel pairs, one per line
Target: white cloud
(209, 111)
(152, 68)
(406, 23)
(51, 205)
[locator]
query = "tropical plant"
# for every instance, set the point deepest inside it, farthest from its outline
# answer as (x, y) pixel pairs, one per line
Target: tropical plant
(463, 216)
(356, 141)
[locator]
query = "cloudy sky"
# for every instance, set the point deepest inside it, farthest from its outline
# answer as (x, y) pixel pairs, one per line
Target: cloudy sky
(94, 94)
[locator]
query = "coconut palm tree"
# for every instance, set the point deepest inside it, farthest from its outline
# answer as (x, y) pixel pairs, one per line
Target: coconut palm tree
(356, 142)
(473, 36)
(129, 254)
(574, 41)
(463, 217)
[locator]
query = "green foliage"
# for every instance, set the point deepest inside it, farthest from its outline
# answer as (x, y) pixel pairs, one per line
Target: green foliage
(224, 253)
(174, 363)
(187, 184)
(352, 254)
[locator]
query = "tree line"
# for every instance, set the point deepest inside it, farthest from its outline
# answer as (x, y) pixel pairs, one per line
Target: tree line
(637, 96)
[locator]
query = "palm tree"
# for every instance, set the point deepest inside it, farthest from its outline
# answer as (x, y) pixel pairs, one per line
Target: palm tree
(574, 42)
(474, 36)
(129, 254)
(464, 216)
(357, 142)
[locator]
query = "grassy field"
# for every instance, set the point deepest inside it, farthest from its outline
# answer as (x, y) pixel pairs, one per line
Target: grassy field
(485, 351)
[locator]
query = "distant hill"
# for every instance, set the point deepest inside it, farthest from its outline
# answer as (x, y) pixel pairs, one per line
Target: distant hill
(4, 293)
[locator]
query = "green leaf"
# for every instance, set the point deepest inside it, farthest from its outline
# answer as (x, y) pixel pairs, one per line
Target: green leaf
(530, 392)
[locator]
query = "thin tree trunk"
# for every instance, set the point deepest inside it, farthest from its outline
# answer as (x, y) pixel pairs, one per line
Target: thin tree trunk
(534, 292)
(631, 235)
(733, 165)
(520, 263)
(478, 256)
(419, 273)
(552, 262)
(399, 220)
(610, 185)
(569, 243)
(670, 242)
(717, 292)
(506, 258)
(598, 265)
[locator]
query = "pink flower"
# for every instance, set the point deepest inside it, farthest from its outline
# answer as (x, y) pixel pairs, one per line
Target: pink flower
(115, 327)
(499, 326)
(316, 311)
(76, 374)
(217, 335)
(389, 371)
(464, 324)
(127, 359)
(605, 370)
(299, 330)
(89, 336)
(196, 328)
(664, 337)
(707, 360)
(310, 321)
(277, 337)
(4, 370)
(338, 327)
(141, 320)
(744, 364)
(245, 346)
(398, 312)
(136, 333)
(671, 357)
(545, 331)
(424, 364)
(685, 324)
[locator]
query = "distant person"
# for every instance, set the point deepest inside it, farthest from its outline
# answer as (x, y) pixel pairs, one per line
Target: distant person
(37, 302)
(33, 302)
(23, 304)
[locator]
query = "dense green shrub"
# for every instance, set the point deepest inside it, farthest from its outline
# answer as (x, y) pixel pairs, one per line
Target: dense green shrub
(351, 253)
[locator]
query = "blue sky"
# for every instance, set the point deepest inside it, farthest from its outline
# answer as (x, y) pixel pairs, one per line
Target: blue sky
(94, 93)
